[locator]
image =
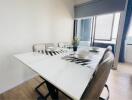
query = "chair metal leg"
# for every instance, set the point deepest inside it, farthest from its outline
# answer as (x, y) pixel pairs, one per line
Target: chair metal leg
(100, 98)
(41, 97)
(36, 89)
(106, 86)
(52, 91)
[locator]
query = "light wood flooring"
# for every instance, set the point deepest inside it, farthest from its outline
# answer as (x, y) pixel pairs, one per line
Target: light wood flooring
(119, 81)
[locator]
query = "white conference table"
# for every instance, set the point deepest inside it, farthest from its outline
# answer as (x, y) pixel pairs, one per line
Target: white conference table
(69, 77)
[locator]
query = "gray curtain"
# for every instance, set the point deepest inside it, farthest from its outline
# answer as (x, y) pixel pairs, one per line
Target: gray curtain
(126, 26)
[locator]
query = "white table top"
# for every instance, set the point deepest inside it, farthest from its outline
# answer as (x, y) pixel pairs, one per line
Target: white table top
(69, 77)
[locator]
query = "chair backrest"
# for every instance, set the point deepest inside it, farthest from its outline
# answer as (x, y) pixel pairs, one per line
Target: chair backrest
(47, 45)
(109, 48)
(38, 47)
(43, 46)
(99, 79)
(64, 44)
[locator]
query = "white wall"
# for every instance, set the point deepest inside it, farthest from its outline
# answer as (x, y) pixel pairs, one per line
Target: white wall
(61, 15)
(25, 22)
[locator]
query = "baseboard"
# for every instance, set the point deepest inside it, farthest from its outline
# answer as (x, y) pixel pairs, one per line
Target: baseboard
(17, 84)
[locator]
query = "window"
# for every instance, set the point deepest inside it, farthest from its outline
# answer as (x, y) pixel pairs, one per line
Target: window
(84, 31)
(129, 34)
(130, 29)
(103, 27)
(106, 26)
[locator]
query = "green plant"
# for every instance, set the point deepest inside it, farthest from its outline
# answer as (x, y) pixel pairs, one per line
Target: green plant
(75, 41)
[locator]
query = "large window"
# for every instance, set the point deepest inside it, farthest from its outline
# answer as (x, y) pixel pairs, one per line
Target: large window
(84, 30)
(129, 34)
(130, 29)
(103, 27)
(106, 26)
(100, 28)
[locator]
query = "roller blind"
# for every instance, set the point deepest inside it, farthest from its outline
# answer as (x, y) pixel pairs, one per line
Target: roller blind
(97, 7)
(103, 27)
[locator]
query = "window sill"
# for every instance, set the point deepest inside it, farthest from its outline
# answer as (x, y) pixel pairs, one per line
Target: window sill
(106, 42)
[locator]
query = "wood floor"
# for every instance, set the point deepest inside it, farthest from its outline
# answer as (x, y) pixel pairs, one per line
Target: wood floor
(119, 81)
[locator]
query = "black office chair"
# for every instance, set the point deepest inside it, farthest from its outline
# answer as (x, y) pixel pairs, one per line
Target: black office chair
(99, 79)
